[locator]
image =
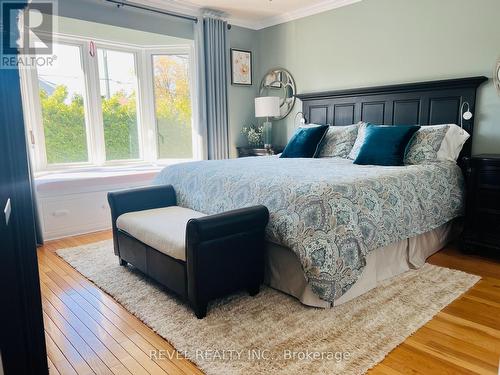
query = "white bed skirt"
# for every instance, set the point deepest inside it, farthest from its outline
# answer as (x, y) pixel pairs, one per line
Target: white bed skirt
(284, 271)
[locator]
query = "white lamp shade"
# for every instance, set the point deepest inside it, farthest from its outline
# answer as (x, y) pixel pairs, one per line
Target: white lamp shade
(267, 106)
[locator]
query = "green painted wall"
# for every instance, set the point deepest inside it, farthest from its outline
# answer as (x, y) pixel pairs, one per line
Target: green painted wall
(377, 42)
(241, 98)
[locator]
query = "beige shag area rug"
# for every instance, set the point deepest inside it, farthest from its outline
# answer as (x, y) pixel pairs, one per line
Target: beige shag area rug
(273, 333)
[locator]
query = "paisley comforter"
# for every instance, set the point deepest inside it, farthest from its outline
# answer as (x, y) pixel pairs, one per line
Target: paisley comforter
(330, 212)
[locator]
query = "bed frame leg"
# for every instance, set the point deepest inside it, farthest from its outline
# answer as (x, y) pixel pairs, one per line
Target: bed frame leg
(200, 310)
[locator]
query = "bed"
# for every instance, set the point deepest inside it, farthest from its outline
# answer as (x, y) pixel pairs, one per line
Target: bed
(337, 229)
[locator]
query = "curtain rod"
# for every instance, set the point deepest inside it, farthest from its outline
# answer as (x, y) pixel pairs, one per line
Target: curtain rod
(120, 3)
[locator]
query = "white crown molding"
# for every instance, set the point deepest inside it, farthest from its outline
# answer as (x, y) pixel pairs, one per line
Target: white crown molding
(191, 9)
(248, 24)
(207, 12)
(184, 7)
(303, 12)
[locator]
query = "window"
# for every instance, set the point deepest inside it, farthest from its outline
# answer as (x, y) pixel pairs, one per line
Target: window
(106, 104)
(172, 106)
(118, 87)
(62, 90)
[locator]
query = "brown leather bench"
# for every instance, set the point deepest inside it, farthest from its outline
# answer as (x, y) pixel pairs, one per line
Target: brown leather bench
(199, 257)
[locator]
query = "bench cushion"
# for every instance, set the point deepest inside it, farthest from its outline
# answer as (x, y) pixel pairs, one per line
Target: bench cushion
(164, 229)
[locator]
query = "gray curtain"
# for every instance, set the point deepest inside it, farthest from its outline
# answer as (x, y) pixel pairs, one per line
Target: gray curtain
(215, 82)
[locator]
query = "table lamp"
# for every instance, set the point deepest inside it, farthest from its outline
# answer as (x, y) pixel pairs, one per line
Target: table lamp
(267, 106)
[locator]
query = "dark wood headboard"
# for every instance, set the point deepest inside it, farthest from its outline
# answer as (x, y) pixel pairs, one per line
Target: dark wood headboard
(422, 103)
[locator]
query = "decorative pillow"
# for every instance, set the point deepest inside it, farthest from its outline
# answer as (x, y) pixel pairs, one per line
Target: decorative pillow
(338, 141)
(425, 144)
(304, 143)
(359, 141)
(385, 145)
(453, 143)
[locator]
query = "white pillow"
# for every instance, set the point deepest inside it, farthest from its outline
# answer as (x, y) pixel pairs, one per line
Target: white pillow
(453, 143)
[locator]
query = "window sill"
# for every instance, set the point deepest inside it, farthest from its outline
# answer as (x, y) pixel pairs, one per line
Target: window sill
(108, 168)
(84, 180)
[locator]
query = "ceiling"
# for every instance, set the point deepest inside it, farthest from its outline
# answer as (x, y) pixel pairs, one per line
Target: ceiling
(254, 14)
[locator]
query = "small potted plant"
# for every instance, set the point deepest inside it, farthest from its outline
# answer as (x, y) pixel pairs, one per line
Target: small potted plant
(254, 135)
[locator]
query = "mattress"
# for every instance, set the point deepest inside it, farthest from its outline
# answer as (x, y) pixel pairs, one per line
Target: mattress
(329, 212)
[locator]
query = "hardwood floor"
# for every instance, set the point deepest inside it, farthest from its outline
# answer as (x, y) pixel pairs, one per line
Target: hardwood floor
(88, 332)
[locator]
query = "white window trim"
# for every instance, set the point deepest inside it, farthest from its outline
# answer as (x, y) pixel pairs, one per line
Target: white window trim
(32, 116)
(146, 119)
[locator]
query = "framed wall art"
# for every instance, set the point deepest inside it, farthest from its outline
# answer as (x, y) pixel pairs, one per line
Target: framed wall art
(241, 67)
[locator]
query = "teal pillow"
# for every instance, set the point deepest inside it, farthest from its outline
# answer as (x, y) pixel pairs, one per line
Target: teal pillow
(304, 143)
(385, 145)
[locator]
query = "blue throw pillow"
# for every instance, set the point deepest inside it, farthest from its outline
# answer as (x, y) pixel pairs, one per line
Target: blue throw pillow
(385, 145)
(304, 142)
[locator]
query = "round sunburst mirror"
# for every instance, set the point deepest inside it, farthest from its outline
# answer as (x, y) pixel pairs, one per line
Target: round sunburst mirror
(279, 82)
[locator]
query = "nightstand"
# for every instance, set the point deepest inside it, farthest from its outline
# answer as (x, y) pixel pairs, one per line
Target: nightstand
(482, 218)
(256, 151)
